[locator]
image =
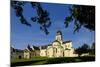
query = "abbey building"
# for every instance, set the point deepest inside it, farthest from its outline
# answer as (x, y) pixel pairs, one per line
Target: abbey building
(58, 48)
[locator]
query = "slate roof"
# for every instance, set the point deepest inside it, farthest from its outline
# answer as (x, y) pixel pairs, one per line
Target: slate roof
(67, 41)
(56, 41)
(44, 47)
(36, 48)
(29, 48)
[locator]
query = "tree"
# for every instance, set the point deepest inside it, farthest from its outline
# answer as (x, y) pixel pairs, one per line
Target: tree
(92, 50)
(83, 49)
(42, 17)
(93, 46)
(81, 16)
(79, 51)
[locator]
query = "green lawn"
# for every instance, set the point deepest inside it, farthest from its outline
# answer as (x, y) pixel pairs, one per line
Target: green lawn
(45, 60)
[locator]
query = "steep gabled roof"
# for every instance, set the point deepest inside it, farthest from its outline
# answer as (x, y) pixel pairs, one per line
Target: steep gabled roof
(67, 41)
(57, 41)
(26, 50)
(44, 47)
(29, 48)
(18, 50)
(36, 48)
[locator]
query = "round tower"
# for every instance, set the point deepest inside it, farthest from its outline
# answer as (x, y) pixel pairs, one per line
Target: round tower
(59, 36)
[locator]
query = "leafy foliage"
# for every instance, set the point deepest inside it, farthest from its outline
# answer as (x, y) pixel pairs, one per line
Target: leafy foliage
(83, 49)
(42, 17)
(82, 16)
(17, 6)
(92, 50)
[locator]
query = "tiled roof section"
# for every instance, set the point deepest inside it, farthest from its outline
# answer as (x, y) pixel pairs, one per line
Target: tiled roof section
(29, 48)
(67, 41)
(18, 50)
(36, 48)
(56, 41)
(44, 47)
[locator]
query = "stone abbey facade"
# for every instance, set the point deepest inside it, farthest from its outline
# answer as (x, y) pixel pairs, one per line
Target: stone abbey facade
(58, 48)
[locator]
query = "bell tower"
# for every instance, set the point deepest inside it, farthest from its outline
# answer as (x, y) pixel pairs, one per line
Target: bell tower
(59, 36)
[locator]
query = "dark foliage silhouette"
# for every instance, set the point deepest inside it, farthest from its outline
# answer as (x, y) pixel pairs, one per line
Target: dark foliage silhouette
(42, 17)
(81, 16)
(83, 49)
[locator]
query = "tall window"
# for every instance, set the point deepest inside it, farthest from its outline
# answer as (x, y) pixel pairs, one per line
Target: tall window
(56, 50)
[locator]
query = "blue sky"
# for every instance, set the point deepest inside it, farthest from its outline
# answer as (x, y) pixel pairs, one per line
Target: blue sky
(22, 35)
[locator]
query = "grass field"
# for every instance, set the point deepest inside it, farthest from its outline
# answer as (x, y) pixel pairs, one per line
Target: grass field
(45, 60)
